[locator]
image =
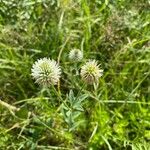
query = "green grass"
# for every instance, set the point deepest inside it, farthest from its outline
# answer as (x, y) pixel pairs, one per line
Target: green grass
(113, 116)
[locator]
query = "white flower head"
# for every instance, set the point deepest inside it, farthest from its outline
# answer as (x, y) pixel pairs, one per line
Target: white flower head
(46, 72)
(91, 72)
(76, 55)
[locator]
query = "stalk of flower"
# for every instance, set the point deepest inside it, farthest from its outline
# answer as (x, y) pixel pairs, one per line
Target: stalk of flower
(91, 72)
(75, 55)
(46, 72)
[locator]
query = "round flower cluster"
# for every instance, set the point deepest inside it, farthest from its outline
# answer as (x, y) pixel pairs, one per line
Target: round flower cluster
(76, 55)
(46, 72)
(91, 72)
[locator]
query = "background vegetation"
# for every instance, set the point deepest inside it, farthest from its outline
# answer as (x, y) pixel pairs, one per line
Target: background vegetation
(114, 116)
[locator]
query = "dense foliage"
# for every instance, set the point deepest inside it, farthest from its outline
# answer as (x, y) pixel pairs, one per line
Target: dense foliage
(113, 115)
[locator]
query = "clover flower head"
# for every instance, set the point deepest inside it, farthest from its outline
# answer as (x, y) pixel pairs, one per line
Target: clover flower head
(91, 72)
(46, 72)
(76, 55)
